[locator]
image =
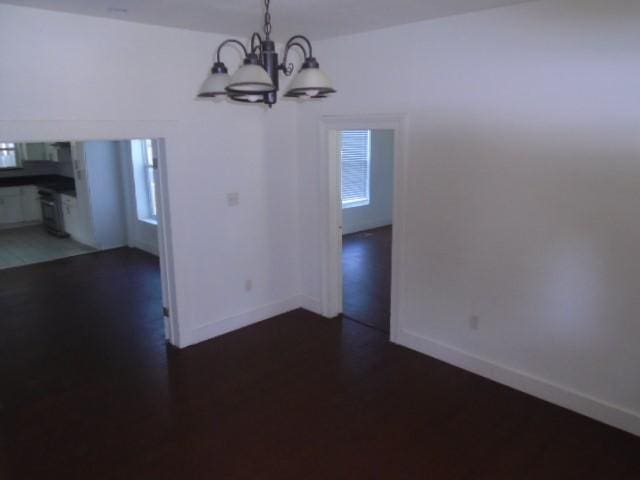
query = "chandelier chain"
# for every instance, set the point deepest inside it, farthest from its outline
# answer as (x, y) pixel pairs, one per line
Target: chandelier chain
(267, 19)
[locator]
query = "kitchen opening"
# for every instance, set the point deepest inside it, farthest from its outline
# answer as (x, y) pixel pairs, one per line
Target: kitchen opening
(86, 208)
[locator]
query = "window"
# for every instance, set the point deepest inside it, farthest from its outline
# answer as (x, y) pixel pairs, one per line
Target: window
(355, 155)
(8, 155)
(150, 179)
(143, 162)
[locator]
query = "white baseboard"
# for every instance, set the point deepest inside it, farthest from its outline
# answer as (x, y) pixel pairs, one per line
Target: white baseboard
(311, 304)
(226, 325)
(147, 247)
(580, 402)
(369, 225)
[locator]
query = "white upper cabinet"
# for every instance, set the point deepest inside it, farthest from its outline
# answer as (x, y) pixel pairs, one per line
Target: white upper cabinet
(38, 151)
(51, 153)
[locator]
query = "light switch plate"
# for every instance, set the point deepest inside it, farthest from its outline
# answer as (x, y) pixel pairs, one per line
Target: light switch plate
(233, 199)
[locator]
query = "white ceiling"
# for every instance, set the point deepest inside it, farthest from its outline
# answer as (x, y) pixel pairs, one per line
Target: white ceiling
(315, 18)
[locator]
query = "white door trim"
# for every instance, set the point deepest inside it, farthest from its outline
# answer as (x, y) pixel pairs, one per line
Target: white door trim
(165, 248)
(331, 301)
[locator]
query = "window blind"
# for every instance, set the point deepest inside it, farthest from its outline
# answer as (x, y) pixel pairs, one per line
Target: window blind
(355, 154)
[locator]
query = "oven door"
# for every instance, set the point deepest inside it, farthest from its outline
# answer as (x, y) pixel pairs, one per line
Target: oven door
(50, 214)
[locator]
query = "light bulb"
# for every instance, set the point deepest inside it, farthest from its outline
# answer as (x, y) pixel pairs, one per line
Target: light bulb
(309, 94)
(253, 98)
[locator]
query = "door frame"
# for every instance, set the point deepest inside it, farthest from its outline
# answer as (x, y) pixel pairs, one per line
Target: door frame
(331, 300)
(165, 247)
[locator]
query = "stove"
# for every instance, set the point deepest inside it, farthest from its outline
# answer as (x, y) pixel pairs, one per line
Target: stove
(51, 205)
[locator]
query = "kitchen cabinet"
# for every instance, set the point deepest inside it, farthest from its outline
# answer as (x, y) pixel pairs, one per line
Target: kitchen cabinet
(35, 151)
(30, 202)
(51, 153)
(11, 205)
(38, 152)
(19, 205)
(73, 223)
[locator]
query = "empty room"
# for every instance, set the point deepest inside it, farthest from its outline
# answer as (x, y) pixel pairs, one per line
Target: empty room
(394, 239)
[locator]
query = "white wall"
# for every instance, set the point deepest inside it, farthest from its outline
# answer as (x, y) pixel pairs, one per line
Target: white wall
(103, 181)
(79, 78)
(522, 192)
(379, 211)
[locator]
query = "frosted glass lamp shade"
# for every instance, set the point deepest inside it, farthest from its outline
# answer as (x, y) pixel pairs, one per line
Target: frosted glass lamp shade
(250, 78)
(311, 82)
(216, 83)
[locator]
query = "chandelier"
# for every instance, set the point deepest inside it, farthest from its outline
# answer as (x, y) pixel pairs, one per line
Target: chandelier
(257, 79)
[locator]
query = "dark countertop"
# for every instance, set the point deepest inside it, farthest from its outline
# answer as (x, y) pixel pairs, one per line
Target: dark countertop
(58, 183)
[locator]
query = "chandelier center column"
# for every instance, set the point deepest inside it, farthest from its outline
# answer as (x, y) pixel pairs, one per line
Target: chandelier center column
(270, 64)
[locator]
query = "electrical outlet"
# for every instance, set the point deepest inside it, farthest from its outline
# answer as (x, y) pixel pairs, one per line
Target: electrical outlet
(248, 285)
(474, 322)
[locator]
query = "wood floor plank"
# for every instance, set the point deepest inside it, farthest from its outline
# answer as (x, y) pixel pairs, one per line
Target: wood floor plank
(366, 276)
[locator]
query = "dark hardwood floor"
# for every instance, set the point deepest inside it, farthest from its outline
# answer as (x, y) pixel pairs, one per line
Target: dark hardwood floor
(366, 277)
(90, 391)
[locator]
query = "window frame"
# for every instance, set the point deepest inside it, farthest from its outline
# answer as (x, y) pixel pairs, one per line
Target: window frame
(143, 163)
(150, 163)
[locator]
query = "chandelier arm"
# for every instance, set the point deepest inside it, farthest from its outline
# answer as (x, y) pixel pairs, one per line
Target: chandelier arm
(228, 41)
(257, 46)
(287, 68)
(305, 39)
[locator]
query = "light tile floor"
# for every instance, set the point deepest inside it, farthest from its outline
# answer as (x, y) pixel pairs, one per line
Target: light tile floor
(23, 246)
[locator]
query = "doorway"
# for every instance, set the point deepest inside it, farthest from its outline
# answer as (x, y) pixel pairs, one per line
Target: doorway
(367, 158)
(68, 202)
(365, 181)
